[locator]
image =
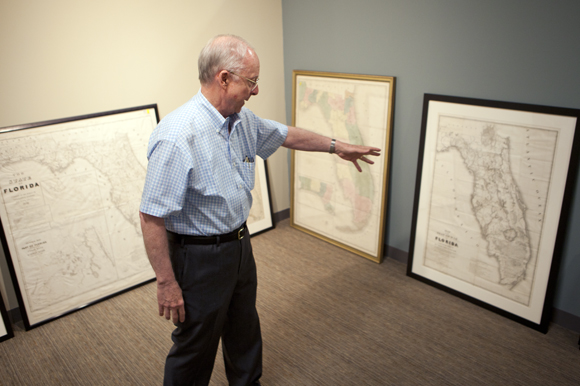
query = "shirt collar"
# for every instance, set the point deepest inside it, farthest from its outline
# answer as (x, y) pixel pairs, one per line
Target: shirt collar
(220, 123)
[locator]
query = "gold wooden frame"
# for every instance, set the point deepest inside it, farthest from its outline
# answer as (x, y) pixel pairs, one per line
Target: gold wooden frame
(383, 162)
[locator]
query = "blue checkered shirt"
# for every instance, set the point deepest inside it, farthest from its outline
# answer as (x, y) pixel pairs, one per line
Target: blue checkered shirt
(199, 175)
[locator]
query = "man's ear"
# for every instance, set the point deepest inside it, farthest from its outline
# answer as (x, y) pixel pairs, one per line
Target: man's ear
(224, 78)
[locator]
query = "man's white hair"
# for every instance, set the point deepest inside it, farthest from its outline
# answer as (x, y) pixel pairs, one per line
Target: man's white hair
(223, 52)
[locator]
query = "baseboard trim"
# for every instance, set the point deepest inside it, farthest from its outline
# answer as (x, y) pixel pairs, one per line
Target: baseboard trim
(282, 215)
(14, 315)
(397, 254)
(566, 320)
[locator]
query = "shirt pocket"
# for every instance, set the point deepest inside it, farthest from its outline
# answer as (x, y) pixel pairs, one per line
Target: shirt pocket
(248, 170)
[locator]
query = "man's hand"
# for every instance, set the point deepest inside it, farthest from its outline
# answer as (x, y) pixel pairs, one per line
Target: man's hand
(353, 153)
(170, 300)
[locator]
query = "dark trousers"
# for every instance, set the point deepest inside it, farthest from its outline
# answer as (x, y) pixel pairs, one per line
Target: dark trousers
(219, 289)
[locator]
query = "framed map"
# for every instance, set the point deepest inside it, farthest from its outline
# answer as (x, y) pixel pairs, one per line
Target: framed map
(260, 218)
(494, 184)
(5, 326)
(70, 192)
(330, 198)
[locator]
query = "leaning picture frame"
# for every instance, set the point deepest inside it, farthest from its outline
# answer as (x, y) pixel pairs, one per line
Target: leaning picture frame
(261, 218)
(70, 191)
(493, 188)
(6, 331)
(330, 199)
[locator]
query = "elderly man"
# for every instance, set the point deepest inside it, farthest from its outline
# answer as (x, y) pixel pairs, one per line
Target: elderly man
(195, 203)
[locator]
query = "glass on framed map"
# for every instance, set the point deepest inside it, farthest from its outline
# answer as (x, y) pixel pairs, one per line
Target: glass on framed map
(493, 188)
(5, 326)
(70, 193)
(330, 198)
(260, 219)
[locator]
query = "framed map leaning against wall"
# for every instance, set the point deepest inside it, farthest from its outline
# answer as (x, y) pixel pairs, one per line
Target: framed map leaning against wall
(6, 331)
(70, 192)
(494, 184)
(261, 219)
(330, 198)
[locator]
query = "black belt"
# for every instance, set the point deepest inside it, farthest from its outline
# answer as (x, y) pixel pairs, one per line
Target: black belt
(238, 234)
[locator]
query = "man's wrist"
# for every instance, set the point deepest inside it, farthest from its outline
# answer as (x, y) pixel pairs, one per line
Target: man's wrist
(332, 149)
(165, 280)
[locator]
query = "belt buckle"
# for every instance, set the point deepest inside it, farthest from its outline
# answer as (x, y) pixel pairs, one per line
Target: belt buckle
(239, 232)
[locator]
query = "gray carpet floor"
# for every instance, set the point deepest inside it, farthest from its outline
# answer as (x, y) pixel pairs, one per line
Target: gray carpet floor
(328, 318)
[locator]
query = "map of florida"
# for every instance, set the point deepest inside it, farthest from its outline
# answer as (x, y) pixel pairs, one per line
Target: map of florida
(339, 113)
(496, 200)
(123, 174)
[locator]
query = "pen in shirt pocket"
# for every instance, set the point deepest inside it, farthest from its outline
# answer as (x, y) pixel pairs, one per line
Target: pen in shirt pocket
(248, 159)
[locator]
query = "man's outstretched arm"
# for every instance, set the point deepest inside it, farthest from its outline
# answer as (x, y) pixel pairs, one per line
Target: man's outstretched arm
(300, 139)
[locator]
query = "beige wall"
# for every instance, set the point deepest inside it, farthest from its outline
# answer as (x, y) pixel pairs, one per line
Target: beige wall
(64, 58)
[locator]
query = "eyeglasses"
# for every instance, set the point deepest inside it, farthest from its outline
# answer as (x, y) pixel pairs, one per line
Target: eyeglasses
(255, 82)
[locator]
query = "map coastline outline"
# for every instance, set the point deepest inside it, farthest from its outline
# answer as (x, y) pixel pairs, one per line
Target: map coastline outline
(562, 120)
(118, 202)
